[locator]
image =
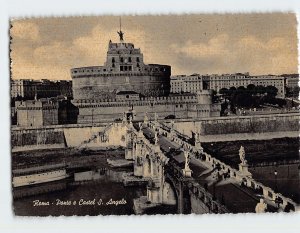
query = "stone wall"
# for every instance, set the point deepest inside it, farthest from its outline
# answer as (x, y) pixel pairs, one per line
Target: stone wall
(198, 206)
(60, 136)
(32, 139)
(80, 136)
(182, 107)
(106, 86)
(76, 136)
(226, 126)
(253, 124)
(110, 113)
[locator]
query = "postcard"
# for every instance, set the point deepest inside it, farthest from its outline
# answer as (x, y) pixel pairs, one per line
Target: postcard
(154, 114)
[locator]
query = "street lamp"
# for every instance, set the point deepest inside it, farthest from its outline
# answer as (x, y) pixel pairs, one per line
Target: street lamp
(275, 173)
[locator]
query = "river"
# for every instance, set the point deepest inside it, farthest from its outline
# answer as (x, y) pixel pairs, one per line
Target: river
(95, 191)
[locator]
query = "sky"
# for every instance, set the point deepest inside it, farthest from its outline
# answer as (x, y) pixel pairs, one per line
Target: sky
(47, 48)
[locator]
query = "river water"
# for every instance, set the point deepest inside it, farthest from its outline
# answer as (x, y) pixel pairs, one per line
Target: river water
(83, 198)
(96, 191)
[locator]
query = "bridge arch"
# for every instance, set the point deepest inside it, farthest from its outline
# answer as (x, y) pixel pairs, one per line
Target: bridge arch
(170, 195)
(147, 166)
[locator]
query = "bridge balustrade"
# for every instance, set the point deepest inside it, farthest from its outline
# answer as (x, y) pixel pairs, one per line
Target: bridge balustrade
(250, 182)
(176, 171)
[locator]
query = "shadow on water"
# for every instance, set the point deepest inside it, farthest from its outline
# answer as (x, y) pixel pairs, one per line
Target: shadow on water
(91, 192)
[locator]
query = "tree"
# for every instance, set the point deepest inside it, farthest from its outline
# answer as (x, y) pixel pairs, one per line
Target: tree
(246, 100)
(224, 91)
(232, 108)
(271, 91)
(281, 102)
(295, 91)
(251, 89)
(231, 91)
(214, 96)
(224, 107)
(241, 89)
(260, 89)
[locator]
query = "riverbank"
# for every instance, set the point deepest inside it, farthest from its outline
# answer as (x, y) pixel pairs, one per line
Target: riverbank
(247, 136)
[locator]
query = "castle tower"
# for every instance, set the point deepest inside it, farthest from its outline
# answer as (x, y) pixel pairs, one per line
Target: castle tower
(123, 70)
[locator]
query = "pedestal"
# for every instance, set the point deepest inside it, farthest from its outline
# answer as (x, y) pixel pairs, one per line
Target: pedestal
(187, 172)
(140, 134)
(128, 154)
(153, 195)
(156, 148)
(243, 168)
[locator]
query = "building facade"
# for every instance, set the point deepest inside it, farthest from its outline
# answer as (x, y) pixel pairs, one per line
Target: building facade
(23, 88)
(35, 113)
(195, 83)
(29, 89)
(292, 81)
(45, 111)
(218, 82)
(183, 83)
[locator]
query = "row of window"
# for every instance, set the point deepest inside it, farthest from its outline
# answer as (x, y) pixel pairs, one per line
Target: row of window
(122, 59)
(125, 68)
(122, 68)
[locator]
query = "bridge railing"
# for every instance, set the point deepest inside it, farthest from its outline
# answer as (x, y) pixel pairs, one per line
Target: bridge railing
(249, 182)
(213, 205)
(266, 192)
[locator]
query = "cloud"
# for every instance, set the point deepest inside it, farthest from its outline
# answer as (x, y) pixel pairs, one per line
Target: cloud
(276, 55)
(31, 70)
(216, 46)
(25, 30)
(55, 59)
(228, 55)
(56, 54)
(49, 48)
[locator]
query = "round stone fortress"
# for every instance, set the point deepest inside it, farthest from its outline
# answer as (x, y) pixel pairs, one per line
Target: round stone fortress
(124, 70)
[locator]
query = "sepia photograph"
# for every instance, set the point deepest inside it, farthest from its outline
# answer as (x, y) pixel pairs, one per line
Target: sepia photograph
(154, 114)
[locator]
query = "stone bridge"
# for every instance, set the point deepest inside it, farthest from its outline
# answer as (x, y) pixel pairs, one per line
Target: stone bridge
(169, 182)
(163, 156)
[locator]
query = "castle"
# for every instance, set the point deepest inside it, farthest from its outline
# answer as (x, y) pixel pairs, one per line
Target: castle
(125, 85)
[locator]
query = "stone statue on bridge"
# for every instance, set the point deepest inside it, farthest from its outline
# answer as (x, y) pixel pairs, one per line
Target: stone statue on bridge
(242, 155)
(130, 119)
(124, 120)
(261, 206)
(187, 160)
(187, 171)
(140, 126)
(243, 166)
(155, 139)
(172, 123)
(197, 142)
(196, 137)
(146, 119)
(155, 117)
